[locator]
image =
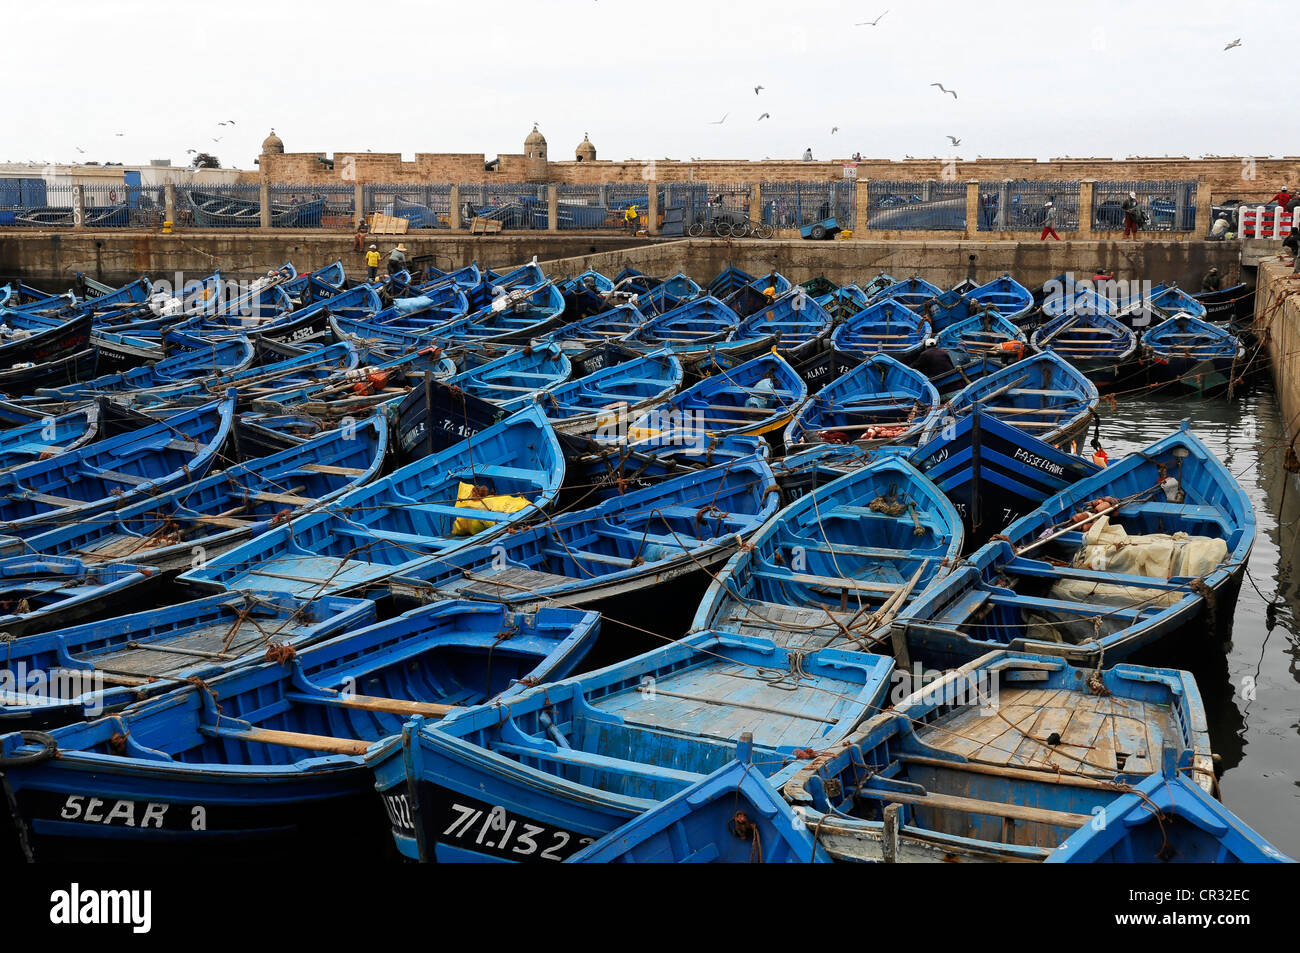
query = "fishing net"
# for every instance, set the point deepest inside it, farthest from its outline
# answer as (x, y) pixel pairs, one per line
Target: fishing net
(1109, 548)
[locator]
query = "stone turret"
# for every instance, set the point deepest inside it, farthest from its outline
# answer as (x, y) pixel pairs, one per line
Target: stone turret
(585, 152)
(536, 167)
(272, 145)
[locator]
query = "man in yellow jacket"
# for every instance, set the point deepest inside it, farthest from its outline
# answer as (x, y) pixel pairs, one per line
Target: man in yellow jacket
(629, 218)
(372, 263)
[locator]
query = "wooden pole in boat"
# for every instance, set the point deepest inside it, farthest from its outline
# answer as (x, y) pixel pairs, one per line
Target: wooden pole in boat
(1073, 526)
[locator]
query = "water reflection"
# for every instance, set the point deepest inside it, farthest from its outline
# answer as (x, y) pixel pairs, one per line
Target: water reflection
(1250, 688)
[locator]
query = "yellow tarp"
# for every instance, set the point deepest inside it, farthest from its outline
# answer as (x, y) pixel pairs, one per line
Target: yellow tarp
(465, 499)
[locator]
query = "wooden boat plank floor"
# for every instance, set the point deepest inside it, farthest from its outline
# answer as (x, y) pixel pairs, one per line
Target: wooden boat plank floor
(155, 661)
(509, 582)
(796, 627)
(1111, 734)
(724, 702)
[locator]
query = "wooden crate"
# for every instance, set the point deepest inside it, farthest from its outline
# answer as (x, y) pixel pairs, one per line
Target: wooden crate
(484, 226)
(388, 224)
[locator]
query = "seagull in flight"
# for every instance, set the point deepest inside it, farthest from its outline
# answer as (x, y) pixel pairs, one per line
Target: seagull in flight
(950, 92)
(954, 140)
(834, 129)
(79, 149)
(1234, 43)
(764, 116)
(757, 88)
(119, 134)
(872, 22)
(217, 139)
(720, 121)
(228, 122)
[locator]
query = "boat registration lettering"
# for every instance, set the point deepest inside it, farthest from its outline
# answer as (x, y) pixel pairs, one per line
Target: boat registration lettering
(87, 809)
(1033, 460)
(399, 813)
(492, 829)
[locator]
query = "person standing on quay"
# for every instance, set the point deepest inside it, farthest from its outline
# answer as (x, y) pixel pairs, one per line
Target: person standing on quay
(1049, 223)
(1131, 215)
(372, 263)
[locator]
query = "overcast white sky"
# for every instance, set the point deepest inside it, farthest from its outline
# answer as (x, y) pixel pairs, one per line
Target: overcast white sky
(645, 77)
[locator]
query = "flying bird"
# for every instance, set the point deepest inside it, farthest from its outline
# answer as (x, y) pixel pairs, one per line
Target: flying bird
(757, 88)
(119, 134)
(217, 139)
(872, 22)
(720, 121)
(954, 140)
(764, 116)
(950, 92)
(191, 150)
(834, 129)
(1236, 42)
(228, 122)
(79, 149)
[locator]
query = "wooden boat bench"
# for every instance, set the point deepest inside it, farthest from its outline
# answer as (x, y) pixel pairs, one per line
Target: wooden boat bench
(968, 805)
(597, 762)
(827, 582)
(288, 739)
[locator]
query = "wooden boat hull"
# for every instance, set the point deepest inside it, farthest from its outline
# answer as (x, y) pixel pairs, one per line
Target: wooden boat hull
(947, 786)
(244, 782)
(430, 776)
(994, 473)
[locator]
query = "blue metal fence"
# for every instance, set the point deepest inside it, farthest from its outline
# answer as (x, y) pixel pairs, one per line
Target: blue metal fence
(1020, 205)
(916, 205)
(696, 199)
(423, 206)
(518, 205)
(1169, 204)
(327, 206)
(795, 204)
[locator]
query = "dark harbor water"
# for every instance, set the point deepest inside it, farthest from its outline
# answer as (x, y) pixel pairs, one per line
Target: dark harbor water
(1252, 688)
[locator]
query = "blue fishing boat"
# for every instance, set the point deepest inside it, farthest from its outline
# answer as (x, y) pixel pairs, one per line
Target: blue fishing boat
(378, 339)
(878, 402)
(270, 755)
(727, 282)
(1012, 300)
(1000, 760)
(837, 564)
(993, 472)
(1192, 352)
(885, 327)
(795, 323)
(456, 497)
(1166, 819)
(215, 210)
(1100, 346)
(585, 294)
(912, 293)
(845, 301)
(688, 329)
(877, 285)
(561, 766)
(34, 341)
(613, 325)
(625, 544)
(1109, 575)
(104, 666)
(422, 313)
(733, 816)
(600, 399)
(666, 295)
(47, 494)
(986, 333)
(207, 360)
(1231, 308)
(47, 435)
(305, 288)
(1043, 395)
(302, 368)
(39, 593)
(1169, 300)
(757, 294)
(611, 470)
(964, 374)
(202, 519)
(757, 397)
(1064, 297)
(514, 380)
